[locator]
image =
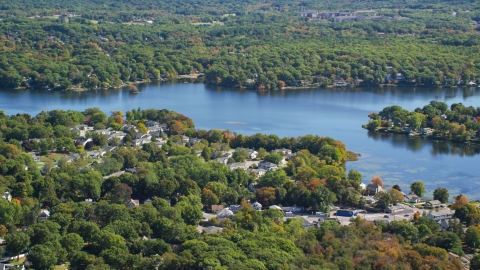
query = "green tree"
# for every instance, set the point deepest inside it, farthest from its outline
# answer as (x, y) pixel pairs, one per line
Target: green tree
(42, 257)
(17, 242)
(206, 153)
(418, 188)
(472, 237)
(441, 194)
(261, 153)
(275, 179)
(274, 158)
(475, 262)
(72, 243)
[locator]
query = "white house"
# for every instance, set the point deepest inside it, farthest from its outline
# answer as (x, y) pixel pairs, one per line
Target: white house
(252, 154)
(374, 189)
(133, 203)
(257, 206)
(268, 166)
(412, 198)
(434, 203)
(7, 196)
(234, 166)
(150, 124)
(442, 214)
(225, 213)
(222, 160)
(194, 141)
(258, 172)
(44, 215)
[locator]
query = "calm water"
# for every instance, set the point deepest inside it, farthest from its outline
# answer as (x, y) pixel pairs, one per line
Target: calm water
(338, 113)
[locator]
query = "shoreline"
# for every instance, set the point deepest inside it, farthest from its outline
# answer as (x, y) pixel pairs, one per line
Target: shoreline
(428, 137)
(183, 77)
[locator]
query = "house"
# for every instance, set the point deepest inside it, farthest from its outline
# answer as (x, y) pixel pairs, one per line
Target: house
(73, 157)
(363, 186)
(257, 206)
(222, 160)
(258, 172)
(217, 207)
(140, 142)
(34, 156)
(412, 198)
(131, 170)
(44, 215)
(394, 208)
(234, 166)
(107, 148)
(194, 141)
(219, 154)
(441, 214)
(185, 139)
(148, 200)
(434, 203)
(96, 153)
(287, 153)
(133, 203)
(120, 135)
(252, 187)
(374, 189)
(155, 131)
(252, 154)
(268, 166)
(212, 229)
(103, 131)
(426, 130)
(293, 209)
(235, 208)
(80, 130)
(5, 266)
(150, 124)
(7, 196)
(307, 224)
(370, 199)
(225, 213)
(127, 128)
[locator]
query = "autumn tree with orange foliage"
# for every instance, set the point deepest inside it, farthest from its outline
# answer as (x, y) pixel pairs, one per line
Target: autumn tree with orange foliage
(377, 180)
(460, 201)
(266, 196)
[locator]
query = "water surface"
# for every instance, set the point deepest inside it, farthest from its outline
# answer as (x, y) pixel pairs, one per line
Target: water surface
(338, 113)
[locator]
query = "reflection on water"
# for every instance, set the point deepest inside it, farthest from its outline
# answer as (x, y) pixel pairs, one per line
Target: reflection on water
(335, 112)
(415, 144)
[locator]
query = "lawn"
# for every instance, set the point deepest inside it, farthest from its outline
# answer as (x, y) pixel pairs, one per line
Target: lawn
(54, 157)
(62, 267)
(19, 262)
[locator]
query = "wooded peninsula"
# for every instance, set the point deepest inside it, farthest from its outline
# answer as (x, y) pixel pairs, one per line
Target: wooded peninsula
(435, 120)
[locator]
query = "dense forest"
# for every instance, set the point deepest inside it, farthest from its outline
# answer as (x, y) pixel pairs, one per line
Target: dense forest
(251, 44)
(85, 210)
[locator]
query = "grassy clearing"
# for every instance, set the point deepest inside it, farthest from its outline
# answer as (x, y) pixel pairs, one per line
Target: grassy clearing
(62, 267)
(19, 262)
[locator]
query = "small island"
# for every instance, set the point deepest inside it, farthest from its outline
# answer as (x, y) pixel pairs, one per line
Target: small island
(434, 121)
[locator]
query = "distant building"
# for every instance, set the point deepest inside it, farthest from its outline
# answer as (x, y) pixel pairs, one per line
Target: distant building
(257, 206)
(133, 203)
(44, 215)
(7, 196)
